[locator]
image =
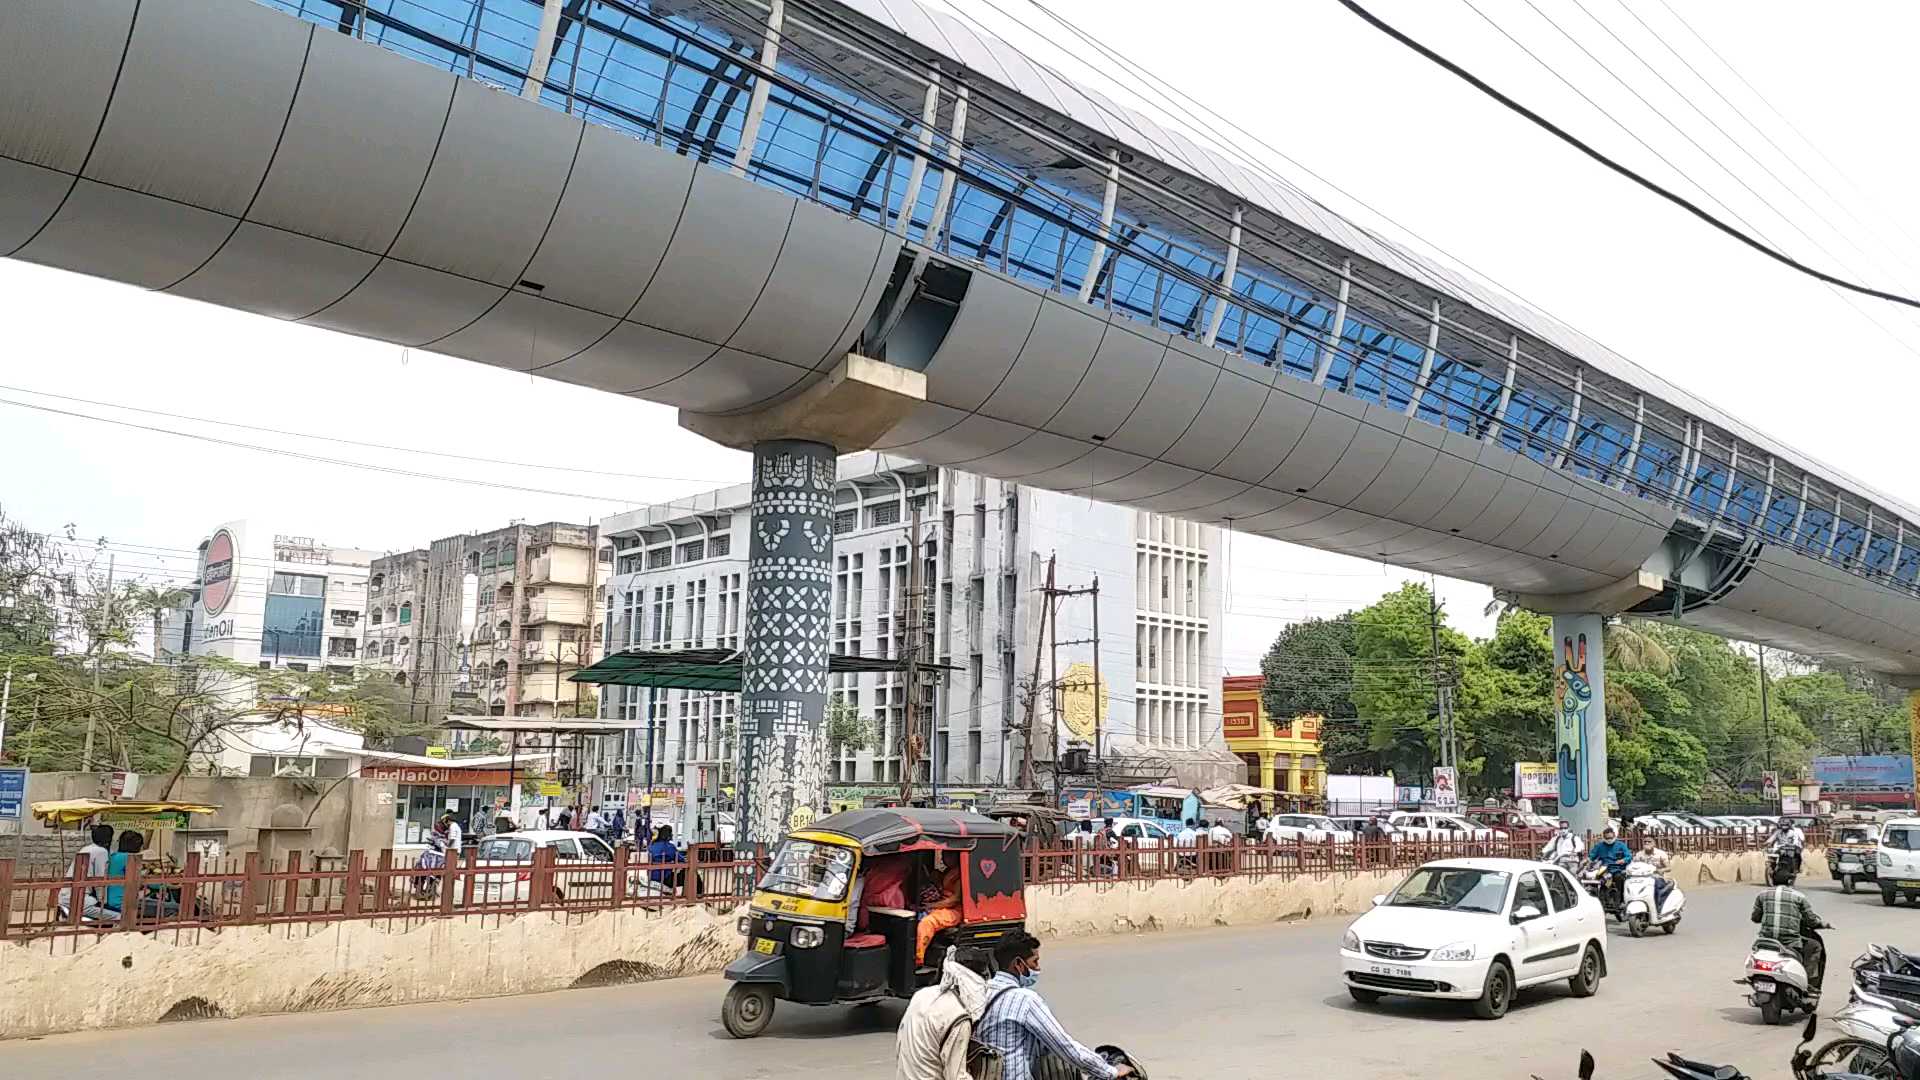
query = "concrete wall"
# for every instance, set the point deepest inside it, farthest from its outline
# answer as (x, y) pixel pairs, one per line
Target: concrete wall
(124, 980)
(356, 813)
(1186, 905)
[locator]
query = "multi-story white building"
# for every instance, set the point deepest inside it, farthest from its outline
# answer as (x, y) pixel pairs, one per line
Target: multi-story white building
(278, 600)
(679, 582)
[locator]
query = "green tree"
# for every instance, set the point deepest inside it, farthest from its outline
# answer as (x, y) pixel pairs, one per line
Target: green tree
(1393, 680)
(846, 728)
(1309, 669)
(155, 601)
(1505, 702)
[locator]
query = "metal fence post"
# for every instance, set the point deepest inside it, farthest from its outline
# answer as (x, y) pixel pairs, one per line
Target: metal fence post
(356, 870)
(290, 894)
(190, 889)
(383, 884)
(622, 888)
(129, 894)
(6, 896)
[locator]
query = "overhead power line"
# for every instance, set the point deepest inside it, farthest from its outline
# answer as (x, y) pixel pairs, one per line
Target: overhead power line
(1574, 141)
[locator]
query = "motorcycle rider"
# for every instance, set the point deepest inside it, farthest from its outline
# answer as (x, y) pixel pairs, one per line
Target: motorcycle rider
(1612, 855)
(1786, 917)
(1561, 845)
(1787, 837)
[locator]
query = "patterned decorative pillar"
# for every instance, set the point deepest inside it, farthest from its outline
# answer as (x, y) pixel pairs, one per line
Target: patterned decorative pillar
(783, 679)
(1580, 692)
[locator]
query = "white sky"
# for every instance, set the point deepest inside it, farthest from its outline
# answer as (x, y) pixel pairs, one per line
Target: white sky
(1772, 348)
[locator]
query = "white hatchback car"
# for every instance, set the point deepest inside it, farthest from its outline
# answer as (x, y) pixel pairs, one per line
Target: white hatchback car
(1476, 930)
(1432, 825)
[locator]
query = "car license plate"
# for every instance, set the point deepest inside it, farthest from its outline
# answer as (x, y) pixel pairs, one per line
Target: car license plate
(763, 945)
(1848, 866)
(1907, 884)
(1388, 969)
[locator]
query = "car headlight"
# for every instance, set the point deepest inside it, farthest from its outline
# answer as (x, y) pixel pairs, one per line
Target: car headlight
(1460, 950)
(1886, 859)
(745, 925)
(1350, 941)
(805, 937)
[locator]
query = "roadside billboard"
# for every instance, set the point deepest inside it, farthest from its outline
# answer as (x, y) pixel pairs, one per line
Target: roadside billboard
(1871, 772)
(1536, 780)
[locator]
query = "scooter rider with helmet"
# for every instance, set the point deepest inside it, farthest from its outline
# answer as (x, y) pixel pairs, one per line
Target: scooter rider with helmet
(1787, 837)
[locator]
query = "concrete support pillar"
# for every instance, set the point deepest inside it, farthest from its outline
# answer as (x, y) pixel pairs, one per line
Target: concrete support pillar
(1266, 769)
(783, 678)
(783, 681)
(1580, 694)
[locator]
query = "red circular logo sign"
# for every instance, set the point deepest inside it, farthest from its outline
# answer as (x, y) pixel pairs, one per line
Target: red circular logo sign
(217, 575)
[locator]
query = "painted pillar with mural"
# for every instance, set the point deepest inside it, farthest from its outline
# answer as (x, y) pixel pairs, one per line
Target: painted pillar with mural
(783, 677)
(1580, 695)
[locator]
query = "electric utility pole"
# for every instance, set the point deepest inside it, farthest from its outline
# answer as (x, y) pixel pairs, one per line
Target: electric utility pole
(1033, 695)
(910, 737)
(93, 709)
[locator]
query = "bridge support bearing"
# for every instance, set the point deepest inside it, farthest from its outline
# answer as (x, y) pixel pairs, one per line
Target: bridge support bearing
(782, 763)
(1580, 692)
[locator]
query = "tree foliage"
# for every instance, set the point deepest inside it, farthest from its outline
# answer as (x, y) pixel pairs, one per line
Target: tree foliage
(1683, 707)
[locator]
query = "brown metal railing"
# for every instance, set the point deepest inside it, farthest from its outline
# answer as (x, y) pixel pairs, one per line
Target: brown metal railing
(213, 894)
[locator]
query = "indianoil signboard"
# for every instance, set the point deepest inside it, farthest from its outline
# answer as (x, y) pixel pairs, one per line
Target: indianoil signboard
(219, 576)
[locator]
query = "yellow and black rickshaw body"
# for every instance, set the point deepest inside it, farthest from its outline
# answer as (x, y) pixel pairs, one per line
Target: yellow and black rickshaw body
(825, 948)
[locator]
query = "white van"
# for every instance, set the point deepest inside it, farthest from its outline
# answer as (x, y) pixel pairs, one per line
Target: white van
(1899, 859)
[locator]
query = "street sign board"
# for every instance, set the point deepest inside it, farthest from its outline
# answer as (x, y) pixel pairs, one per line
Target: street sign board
(1536, 780)
(1770, 784)
(13, 794)
(1446, 791)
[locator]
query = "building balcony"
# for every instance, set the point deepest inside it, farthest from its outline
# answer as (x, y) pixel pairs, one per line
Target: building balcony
(570, 610)
(570, 569)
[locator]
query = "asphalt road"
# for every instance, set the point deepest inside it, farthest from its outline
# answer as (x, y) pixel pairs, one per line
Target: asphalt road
(1203, 1005)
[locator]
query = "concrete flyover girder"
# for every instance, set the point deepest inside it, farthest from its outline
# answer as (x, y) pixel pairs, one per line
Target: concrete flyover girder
(850, 409)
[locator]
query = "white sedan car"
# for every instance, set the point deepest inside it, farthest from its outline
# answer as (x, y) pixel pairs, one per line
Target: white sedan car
(1311, 828)
(1476, 930)
(1430, 825)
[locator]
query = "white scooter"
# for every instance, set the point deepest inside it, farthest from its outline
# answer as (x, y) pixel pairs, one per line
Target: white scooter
(1777, 982)
(1638, 906)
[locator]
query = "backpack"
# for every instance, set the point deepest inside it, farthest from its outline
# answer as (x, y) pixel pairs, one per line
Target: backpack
(983, 1061)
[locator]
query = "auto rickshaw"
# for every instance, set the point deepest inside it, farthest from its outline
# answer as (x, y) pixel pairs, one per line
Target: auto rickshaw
(836, 916)
(1852, 851)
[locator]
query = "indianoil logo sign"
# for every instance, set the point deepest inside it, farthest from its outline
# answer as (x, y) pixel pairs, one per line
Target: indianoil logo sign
(217, 579)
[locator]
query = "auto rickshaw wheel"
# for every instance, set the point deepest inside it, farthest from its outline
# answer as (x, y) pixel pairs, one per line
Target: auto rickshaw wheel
(747, 1010)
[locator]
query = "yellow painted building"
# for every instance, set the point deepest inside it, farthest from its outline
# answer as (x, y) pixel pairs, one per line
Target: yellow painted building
(1283, 756)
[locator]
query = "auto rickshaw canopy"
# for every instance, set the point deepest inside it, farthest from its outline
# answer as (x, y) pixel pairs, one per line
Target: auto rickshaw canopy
(883, 830)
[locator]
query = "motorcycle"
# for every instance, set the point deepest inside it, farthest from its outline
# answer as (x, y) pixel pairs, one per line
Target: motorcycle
(1783, 865)
(1777, 980)
(1602, 887)
(1639, 906)
(1888, 972)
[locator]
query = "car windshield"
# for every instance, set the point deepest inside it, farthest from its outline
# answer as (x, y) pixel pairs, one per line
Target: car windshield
(811, 870)
(1854, 834)
(1453, 888)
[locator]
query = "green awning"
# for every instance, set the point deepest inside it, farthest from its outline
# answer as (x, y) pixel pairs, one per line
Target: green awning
(716, 670)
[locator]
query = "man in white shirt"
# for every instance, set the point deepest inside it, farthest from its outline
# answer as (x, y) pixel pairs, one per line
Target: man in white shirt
(1219, 835)
(1188, 836)
(596, 822)
(99, 837)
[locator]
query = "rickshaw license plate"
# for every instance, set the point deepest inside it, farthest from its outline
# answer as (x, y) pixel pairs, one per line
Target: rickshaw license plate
(763, 945)
(1385, 969)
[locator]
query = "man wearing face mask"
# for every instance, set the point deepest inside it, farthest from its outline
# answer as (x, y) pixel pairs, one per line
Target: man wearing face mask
(1017, 1023)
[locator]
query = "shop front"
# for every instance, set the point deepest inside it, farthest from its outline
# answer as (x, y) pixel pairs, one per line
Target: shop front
(423, 793)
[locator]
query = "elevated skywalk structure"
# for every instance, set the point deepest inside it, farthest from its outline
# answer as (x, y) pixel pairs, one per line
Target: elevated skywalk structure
(736, 208)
